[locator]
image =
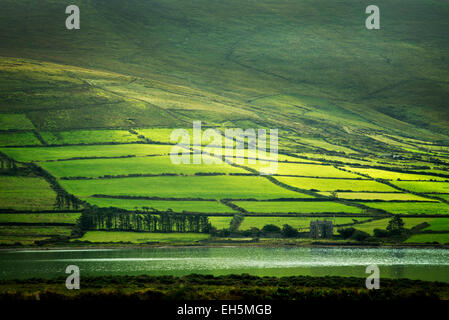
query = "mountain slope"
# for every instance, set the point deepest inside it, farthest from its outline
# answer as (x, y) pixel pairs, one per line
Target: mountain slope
(306, 67)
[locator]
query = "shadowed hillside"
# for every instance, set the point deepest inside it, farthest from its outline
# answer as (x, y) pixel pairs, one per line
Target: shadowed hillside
(307, 67)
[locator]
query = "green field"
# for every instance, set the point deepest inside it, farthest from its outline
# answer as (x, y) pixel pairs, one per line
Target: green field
(18, 139)
(325, 145)
(21, 240)
(34, 231)
(377, 196)
(220, 222)
(55, 153)
(15, 121)
(141, 237)
(176, 206)
(423, 187)
(160, 135)
(408, 139)
(126, 166)
(441, 238)
(320, 156)
(302, 169)
(40, 218)
(438, 224)
(206, 187)
(437, 170)
(263, 161)
(392, 142)
(383, 223)
(391, 175)
(26, 193)
(335, 184)
(296, 222)
(88, 136)
(442, 196)
(250, 158)
(411, 207)
(295, 207)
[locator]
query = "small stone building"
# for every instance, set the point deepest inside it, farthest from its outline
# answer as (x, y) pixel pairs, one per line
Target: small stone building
(321, 229)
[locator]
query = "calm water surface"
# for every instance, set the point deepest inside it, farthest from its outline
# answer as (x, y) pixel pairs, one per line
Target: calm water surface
(423, 264)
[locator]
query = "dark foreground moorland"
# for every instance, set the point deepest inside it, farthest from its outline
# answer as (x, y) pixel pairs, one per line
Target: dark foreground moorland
(229, 287)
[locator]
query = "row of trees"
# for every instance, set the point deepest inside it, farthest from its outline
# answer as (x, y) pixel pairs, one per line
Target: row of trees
(95, 218)
(287, 231)
(269, 230)
(7, 163)
(66, 201)
(395, 229)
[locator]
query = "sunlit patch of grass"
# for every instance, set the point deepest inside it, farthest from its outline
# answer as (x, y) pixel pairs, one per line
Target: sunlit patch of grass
(162, 205)
(441, 238)
(295, 207)
(141, 237)
(411, 207)
(335, 184)
(68, 152)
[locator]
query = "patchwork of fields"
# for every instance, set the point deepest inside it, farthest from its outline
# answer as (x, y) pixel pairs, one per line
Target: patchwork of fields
(362, 120)
(74, 137)
(117, 168)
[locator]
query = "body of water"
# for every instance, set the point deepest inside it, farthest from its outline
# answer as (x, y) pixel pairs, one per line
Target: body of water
(422, 264)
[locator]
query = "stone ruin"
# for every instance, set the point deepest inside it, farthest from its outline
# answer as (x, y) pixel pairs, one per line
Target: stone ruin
(321, 229)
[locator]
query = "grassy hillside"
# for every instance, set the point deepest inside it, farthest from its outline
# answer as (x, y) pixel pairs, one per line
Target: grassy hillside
(231, 61)
(86, 115)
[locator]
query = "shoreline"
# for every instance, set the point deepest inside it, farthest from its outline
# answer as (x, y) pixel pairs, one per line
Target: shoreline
(112, 246)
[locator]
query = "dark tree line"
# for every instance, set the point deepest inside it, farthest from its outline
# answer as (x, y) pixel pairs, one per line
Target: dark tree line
(95, 218)
(66, 201)
(235, 223)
